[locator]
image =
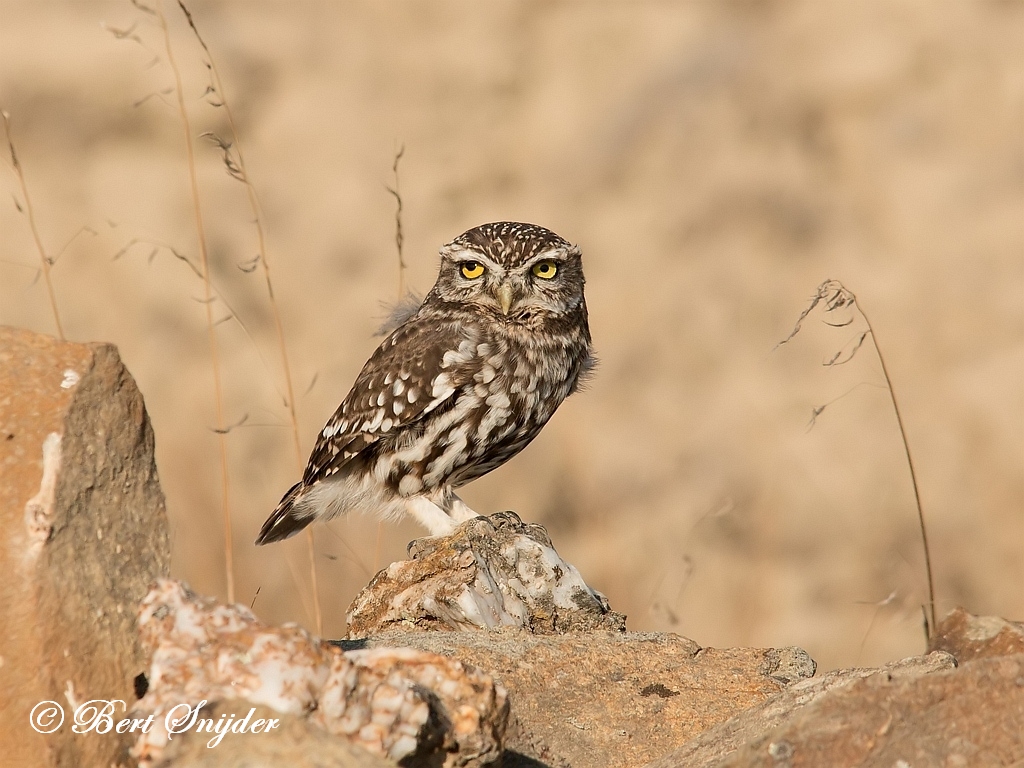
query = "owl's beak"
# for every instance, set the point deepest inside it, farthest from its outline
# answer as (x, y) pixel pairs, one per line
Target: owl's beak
(503, 293)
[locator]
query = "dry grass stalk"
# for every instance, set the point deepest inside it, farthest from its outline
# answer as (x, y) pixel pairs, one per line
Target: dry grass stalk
(835, 297)
(399, 235)
(221, 430)
(238, 171)
(399, 242)
(43, 258)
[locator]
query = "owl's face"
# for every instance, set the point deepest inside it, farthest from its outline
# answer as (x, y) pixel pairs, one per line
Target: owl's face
(517, 271)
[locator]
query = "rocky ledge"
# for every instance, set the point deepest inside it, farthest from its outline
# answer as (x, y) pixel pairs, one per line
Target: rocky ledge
(484, 648)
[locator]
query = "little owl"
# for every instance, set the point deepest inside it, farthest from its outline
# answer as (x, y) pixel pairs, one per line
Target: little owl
(457, 389)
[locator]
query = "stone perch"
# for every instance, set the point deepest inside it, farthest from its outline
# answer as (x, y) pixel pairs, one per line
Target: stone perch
(610, 699)
(84, 533)
(491, 572)
(583, 691)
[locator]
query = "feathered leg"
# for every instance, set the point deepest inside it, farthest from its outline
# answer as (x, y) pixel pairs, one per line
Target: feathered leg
(459, 510)
(430, 515)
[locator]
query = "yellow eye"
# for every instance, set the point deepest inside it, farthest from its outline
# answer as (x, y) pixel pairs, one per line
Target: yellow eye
(545, 269)
(471, 269)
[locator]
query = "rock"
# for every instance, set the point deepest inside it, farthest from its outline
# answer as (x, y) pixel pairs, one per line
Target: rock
(967, 716)
(969, 637)
(490, 572)
(583, 691)
(468, 713)
(609, 698)
(397, 703)
(85, 532)
(715, 744)
(296, 742)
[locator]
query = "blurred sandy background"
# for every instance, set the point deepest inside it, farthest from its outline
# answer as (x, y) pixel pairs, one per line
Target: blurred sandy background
(715, 160)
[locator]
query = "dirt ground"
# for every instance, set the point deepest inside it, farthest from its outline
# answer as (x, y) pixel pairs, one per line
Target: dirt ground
(715, 161)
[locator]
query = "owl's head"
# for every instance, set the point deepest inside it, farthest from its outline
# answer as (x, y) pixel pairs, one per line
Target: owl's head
(516, 270)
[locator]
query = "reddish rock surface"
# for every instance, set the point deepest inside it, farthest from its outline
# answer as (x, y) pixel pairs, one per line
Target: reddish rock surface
(719, 742)
(85, 532)
(970, 637)
(296, 743)
(607, 699)
(970, 716)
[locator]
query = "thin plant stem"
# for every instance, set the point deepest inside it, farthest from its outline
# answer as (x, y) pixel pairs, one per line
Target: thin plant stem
(217, 292)
(399, 234)
(275, 311)
(211, 331)
(837, 296)
(399, 242)
(32, 223)
(929, 630)
(311, 550)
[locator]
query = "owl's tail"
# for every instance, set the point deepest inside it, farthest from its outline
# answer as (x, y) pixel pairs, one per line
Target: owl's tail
(285, 521)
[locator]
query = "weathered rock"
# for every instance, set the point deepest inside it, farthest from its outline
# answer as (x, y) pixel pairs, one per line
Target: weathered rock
(491, 572)
(969, 637)
(296, 743)
(399, 703)
(468, 713)
(608, 698)
(715, 744)
(969, 716)
(85, 532)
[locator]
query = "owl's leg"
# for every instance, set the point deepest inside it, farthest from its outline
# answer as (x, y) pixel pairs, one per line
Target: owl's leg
(430, 515)
(459, 510)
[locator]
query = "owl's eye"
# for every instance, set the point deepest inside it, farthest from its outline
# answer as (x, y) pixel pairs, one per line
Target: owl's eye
(545, 269)
(471, 269)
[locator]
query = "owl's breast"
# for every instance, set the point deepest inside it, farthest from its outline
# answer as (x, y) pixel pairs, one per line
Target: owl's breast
(521, 381)
(536, 370)
(518, 380)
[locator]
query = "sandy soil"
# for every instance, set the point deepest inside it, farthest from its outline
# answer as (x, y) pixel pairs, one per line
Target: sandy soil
(715, 161)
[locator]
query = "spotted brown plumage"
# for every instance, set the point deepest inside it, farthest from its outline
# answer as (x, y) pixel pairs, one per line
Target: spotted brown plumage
(457, 389)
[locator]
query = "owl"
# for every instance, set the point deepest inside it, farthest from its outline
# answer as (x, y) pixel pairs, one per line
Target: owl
(458, 388)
